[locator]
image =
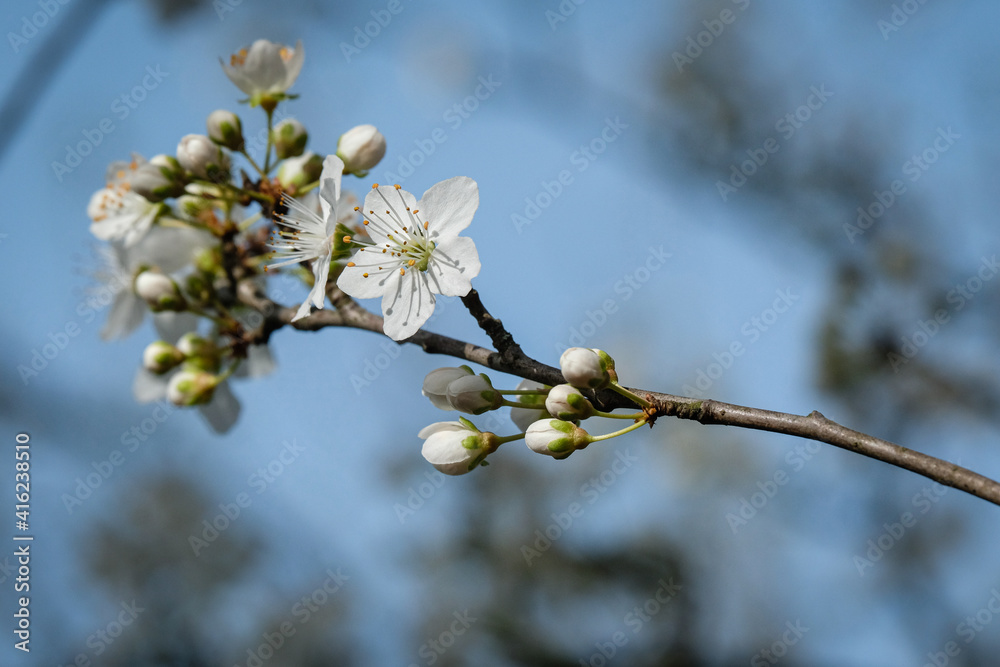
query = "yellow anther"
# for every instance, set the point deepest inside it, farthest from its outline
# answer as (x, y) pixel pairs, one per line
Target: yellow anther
(398, 186)
(364, 275)
(426, 224)
(411, 262)
(374, 186)
(351, 264)
(347, 239)
(402, 271)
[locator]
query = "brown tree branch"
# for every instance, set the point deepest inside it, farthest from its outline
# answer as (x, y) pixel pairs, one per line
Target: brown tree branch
(512, 360)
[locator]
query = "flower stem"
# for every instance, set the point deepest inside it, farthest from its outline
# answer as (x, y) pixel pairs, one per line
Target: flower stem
(614, 386)
(270, 140)
(612, 415)
(597, 438)
(253, 164)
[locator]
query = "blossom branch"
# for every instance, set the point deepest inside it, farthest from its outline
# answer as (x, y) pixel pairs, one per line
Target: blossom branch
(704, 411)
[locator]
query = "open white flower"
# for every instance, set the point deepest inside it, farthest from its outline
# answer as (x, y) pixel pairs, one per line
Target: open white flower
(119, 214)
(416, 252)
(313, 237)
(265, 70)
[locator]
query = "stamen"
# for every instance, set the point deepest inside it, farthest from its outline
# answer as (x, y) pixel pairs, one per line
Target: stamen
(351, 264)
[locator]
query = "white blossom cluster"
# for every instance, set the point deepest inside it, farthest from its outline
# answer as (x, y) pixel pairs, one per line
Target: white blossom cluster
(183, 228)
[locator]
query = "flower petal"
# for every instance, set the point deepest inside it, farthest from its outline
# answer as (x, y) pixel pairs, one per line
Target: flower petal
(406, 304)
(449, 206)
(353, 282)
(386, 208)
(223, 410)
(453, 265)
(127, 311)
(333, 171)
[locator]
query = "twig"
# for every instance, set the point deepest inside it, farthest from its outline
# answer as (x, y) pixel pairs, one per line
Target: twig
(705, 411)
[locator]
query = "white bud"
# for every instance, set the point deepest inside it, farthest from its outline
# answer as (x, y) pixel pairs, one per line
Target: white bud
(160, 357)
(525, 417)
(566, 402)
(436, 384)
(289, 137)
(159, 291)
(191, 387)
(584, 368)
(453, 447)
(201, 157)
(555, 438)
(224, 128)
(301, 170)
(159, 178)
(361, 148)
(473, 395)
(200, 352)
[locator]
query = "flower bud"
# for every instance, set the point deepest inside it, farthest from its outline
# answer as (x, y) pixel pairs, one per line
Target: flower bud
(436, 384)
(473, 394)
(584, 368)
(191, 387)
(555, 438)
(361, 148)
(200, 353)
(566, 402)
(455, 448)
(224, 128)
(201, 157)
(300, 171)
(159, 291)
(159, 178)
(160, 357)
(289, 138)
(525, 417)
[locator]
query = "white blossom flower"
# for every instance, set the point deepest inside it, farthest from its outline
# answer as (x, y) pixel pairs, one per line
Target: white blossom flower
(313, 237)
(452, 447)
(265, 70)
(166, 248)
(555, 438)
(436, 384)
(526, 416)
(118, 213)
(416, 253)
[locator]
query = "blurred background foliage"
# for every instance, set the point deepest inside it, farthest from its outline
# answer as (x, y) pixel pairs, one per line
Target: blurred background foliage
(426, 555)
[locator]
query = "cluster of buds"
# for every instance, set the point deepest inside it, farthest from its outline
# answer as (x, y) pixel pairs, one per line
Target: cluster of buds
(180, 226)
(549, 417)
